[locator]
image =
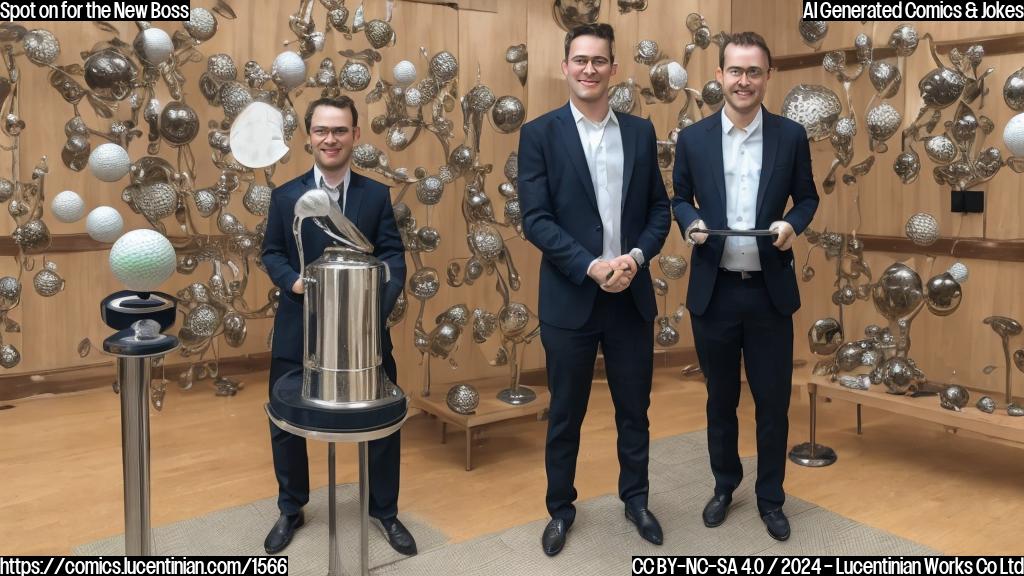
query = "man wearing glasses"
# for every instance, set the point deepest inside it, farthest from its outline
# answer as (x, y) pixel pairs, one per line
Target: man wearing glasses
(332, 125)
(594, 203)
(737, 170)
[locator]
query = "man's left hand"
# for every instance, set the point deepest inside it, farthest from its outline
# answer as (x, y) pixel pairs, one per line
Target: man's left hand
(786, 235)
(625, 269)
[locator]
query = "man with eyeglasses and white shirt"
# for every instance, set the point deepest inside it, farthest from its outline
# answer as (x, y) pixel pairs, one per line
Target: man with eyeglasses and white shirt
(594, 203)
(737, 169)
(332, 125)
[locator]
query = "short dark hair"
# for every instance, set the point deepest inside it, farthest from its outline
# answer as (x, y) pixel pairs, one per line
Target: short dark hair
(600, 29)
(343, 102)
(744, 39)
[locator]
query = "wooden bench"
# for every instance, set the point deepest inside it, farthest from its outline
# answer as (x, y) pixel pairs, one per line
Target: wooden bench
(489, 411)
(998, 425)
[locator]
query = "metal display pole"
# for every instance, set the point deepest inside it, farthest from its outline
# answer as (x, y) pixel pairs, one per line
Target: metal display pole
(133, 376)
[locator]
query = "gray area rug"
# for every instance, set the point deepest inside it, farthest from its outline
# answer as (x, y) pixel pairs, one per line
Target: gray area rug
(601, 541)
(240, 531)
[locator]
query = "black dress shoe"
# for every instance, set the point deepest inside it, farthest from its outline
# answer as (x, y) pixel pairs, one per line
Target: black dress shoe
(645, 523)
(553, 538)
(397, 535)
(281, 534)
(716, 509)
(777, 524)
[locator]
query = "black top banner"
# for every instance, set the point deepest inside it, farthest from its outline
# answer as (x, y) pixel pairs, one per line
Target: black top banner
(910, 10)
(51, 10)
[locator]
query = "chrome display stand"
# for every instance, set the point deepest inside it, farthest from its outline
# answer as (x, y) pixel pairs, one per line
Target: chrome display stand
(811, 453)
(133, 377)
(139, 318)
(362, 438)
(517, 394)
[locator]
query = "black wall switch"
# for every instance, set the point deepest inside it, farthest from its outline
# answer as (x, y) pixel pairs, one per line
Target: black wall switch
(967, 201)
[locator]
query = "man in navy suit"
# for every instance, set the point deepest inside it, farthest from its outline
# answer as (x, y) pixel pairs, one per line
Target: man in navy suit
(738, 169)
(332, 125)
(594, 202)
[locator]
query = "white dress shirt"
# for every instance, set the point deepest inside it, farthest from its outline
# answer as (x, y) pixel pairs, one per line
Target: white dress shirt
(332, 191)
(741, 160)
(602, 145)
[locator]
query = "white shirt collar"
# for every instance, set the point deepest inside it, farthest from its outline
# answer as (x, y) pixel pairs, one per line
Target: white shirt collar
(578, 116)
(727, 124)
(318, 176)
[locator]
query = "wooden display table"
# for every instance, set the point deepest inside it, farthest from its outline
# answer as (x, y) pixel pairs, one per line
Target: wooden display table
(489, 411)
(998, 425)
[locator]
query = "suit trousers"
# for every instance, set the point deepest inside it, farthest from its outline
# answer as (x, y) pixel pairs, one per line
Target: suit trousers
(742, 321)
(627, 341)
(291, 462)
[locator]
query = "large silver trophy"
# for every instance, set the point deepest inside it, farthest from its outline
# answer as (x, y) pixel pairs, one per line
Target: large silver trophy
(342, 325)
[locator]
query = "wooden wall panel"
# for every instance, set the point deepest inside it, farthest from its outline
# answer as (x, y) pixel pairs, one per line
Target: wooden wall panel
(875, 205)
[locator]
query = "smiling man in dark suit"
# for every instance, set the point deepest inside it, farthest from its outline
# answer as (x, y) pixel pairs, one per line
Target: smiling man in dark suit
(332, 125)
(594, 203)
(738, 169)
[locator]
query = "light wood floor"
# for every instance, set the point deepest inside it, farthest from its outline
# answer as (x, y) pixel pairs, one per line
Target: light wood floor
(60, 468)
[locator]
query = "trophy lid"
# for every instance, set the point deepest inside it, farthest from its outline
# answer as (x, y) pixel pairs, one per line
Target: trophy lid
(343, 257)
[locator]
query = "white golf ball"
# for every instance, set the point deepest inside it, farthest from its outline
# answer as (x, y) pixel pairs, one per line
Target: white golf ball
(142, 259)
(405, 73)
(68, 207)
(104, 224)
(109, 162)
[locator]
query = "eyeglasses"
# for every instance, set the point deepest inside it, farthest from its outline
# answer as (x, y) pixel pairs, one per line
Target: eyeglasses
(322, 131)
(598, 62)
(753, 73)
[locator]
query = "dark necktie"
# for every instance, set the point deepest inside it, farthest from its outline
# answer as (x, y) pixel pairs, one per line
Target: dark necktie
(341, 194)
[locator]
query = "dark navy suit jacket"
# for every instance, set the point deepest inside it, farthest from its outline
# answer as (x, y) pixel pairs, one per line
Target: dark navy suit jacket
(368, 206)
(699, 181)
(560, 215)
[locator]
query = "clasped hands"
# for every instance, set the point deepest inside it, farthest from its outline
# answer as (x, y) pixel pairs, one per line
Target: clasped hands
(614, 275)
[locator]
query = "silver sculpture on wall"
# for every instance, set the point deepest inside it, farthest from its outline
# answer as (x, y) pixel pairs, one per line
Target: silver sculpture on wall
(961, 161)
(824, 338)
(673, 267)
(627, 6)
(572, 13)
(518, 57)
(853, 275)
(25, 199)
(899, 295)
(1005, 328)
(121, 78)
(816, 108)
(812, 32)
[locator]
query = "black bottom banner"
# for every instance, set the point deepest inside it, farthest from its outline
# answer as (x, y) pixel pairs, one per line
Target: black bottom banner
(103, 565)
(814, 565)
